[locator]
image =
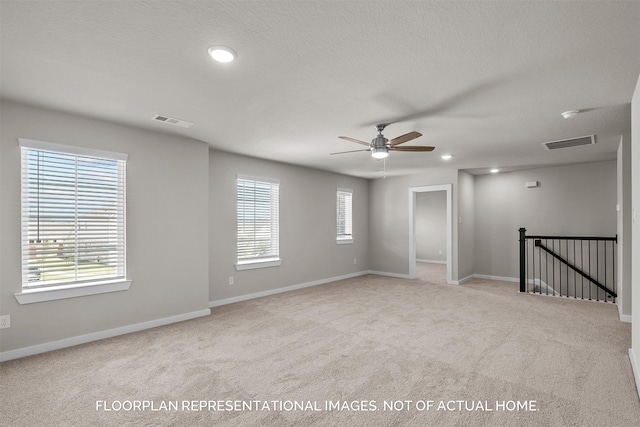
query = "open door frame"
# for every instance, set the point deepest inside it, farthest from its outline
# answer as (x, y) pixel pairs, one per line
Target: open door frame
(412, 227)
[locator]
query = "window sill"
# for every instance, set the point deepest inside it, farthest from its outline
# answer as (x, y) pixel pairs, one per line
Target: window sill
(344, 242)
(71, 291)
(250, 265)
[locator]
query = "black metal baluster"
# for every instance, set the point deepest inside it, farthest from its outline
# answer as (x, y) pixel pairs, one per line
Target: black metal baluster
(589, 268)
(575, 279)
(613, 249)
(581, 266)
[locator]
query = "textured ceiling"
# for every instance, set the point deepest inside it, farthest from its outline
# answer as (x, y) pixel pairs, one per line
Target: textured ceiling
(484, 81)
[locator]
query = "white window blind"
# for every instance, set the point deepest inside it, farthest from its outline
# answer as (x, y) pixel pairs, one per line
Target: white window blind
(344, 215)
(258, 220)
(73, 215)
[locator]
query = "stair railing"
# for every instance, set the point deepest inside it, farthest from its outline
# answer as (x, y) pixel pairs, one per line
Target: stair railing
(568, 266)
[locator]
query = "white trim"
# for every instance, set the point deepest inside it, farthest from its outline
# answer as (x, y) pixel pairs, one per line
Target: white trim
(463, 280)
(83, 339)
(71, 149)
(500, 278)
(344, 241)
(432, 261)
(634, 368)
(250, 265)
(345, 190)
(29, 296)
(232, 300)
(258, 179)
(396, 275)
(627, 318)
(412, 227)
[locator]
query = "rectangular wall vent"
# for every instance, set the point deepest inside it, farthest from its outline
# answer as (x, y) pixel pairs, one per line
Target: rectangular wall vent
(172, 121)
(572, 142)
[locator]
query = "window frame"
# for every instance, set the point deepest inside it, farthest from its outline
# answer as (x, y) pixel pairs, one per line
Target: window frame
(72, 288)
(272, 259)
(344, 238)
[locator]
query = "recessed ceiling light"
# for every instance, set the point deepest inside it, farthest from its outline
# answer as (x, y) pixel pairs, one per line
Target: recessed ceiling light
(570, 114)
(222, 53)
(494, 170)
(446, 156)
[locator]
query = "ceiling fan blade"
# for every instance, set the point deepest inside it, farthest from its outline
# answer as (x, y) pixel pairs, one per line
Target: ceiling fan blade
(357, 141)
(414, 148)
(440, 107)
(404, 138)
(352, 151)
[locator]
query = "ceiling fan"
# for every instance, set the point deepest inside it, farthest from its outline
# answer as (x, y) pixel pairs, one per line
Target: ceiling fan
(380, 146)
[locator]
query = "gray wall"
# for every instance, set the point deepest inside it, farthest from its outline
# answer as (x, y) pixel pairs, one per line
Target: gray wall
(307, 226)
(431, 226)
(167, 194)
(624, 227)
(465, 221)
(570, 200)
(389, 219)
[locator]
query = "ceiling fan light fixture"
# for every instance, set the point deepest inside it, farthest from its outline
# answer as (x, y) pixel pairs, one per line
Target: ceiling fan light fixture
(379, 152)
(222, 53)
(570, 114)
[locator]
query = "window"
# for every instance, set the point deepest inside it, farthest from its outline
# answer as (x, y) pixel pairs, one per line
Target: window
(258, 223)
(344, 216)
(73, 217)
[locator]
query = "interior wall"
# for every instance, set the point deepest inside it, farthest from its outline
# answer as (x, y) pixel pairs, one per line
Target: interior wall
(431, 226)
(466, 225)
(569, 200)
(167, 194)
(634, 353)
(307, 227)
(624, 227)
(389, 219)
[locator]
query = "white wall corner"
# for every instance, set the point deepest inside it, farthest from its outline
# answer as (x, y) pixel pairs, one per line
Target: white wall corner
(627, 318)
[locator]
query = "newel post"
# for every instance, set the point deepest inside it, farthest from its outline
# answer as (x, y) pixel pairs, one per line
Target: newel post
(523, 260)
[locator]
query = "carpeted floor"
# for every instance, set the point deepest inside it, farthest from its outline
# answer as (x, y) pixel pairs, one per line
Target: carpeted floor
(365, 351)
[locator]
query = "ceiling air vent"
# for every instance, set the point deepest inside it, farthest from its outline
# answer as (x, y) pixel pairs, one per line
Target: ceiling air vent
(573, 142)
(172, 121)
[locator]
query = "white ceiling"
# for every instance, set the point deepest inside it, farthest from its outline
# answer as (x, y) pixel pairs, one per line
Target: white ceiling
(484, 81)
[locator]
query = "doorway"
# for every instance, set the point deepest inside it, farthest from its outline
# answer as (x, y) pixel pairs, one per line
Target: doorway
(413, 192)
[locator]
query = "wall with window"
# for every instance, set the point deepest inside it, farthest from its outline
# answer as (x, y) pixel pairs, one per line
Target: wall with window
(167, 256)
(308, 248)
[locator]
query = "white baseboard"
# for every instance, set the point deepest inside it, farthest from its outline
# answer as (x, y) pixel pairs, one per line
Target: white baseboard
(463, 280)
(432, 261)
(634, 368)
(627, 318)
(94, 336)
(384, 273)
(255, 295)
(501, 278)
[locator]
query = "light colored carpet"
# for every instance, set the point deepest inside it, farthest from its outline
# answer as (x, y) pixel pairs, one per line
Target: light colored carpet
(370, 338)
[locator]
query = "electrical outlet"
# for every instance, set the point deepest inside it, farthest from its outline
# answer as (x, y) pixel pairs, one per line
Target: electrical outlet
(355, 261)
(5, 321)
(231, 280)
